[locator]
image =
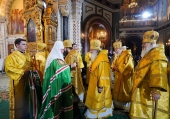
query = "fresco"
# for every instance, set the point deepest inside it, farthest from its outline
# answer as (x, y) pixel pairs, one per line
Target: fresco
(168, 10)
(16, 22)
(162, 7)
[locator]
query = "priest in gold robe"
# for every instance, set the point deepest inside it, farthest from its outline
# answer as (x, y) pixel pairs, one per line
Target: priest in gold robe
(123, 68)
(99, 99)
(17, 66)
(40, 58)
(150, 93)
(74, 59)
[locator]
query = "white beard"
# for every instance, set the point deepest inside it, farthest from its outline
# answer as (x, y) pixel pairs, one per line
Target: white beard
(93, 56)
(118, 54)
(145, 51)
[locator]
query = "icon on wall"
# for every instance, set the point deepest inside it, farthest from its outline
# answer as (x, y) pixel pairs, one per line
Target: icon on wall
(10, 48)
(31, 31)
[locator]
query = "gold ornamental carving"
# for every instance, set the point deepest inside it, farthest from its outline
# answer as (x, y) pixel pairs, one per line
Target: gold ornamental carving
(28, 4)
(33, 24)
(54, 4)
(50, 23)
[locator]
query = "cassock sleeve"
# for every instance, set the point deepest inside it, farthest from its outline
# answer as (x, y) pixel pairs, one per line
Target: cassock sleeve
(12, 70)
(158, 75)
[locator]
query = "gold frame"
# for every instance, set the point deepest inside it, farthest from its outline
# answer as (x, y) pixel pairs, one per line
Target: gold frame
(33, 10)
(50, 23)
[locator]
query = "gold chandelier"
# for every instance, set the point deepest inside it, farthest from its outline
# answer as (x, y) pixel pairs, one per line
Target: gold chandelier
(133, 4)
(168, 43)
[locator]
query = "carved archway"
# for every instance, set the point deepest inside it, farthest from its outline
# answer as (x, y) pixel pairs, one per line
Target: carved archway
(91, 20)
(134, 42)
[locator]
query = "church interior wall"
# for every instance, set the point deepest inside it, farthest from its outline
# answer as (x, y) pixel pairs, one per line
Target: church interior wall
(90, 31)
(2, 42)
(163, 27)
(70, 27)
(161, 12)
(59, 28)
(164, 38)
(8, 32)
(70, 22)
(161, 38)
(92, 11)
(15, 18)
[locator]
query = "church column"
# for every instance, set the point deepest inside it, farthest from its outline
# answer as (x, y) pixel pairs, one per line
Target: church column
(76, 20)
(65, 27)
(3, 36)
(65, 13)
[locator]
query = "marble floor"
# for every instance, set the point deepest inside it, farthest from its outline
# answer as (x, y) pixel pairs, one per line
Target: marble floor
(4, 86)
(4, 82)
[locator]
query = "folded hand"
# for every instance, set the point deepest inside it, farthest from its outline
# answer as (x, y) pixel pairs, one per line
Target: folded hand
(155, 95)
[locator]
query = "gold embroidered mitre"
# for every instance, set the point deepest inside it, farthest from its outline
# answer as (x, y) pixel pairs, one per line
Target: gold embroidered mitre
(150, 37)
(117, 44)
(41, 46)
(95, 44)
(67, 43)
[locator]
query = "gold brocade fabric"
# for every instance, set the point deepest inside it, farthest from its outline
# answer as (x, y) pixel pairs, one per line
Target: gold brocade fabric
(123, 77)
(41, 58)
(88, 61)
(87, 75)
(72, 57)
(99, 77)
(113, 62)
(150, 75)
(88, 58)
(15, 65)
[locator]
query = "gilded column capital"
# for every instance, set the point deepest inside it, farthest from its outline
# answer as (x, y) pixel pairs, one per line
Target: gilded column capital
(63, 2)
(30, 4)
(64, 10)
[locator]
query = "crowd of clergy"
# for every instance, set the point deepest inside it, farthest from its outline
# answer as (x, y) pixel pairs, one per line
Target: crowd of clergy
(49, 90)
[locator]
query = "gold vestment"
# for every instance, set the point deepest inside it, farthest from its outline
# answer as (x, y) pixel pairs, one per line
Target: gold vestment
(114, 59)
(72, 57)
(88, 61)
(99, 77)
(150, 75)
(41, 58)
(15, 65)
(123, 78)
